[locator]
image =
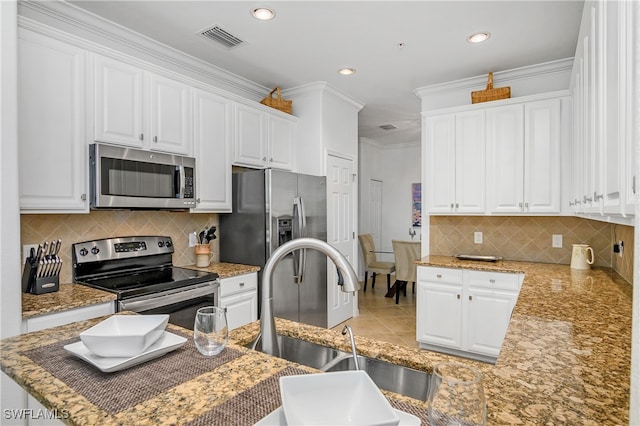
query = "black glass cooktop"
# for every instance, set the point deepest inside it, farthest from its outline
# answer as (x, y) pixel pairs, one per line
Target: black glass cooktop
(138, 283)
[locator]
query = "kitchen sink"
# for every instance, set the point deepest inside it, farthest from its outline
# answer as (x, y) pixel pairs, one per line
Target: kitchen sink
(303, 352)
(392, 377)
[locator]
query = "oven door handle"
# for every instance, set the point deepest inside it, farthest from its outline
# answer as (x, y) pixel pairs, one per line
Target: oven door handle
(147, 303)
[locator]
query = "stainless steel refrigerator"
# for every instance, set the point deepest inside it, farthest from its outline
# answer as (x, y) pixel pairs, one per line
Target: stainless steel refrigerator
(271, 207)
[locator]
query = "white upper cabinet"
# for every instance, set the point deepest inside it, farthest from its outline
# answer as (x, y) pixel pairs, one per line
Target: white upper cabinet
(524, 157)
(51, 126)
(602, 88)
(262, 139)
(118, 101)
(212, 146)
(170, 115)
(455, 156)
(141, 109)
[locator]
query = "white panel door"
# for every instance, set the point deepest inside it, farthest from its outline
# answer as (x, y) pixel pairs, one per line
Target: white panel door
(250, 148)
(505, 162)
(542, 156)
(171, 117)
(118, 101)
(470, 162)
(340, 233)
(212, 148)
(440, 136)
(51, 125)
(280, 146)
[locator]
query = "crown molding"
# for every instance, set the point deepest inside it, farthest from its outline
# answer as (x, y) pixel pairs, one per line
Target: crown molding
(560, 66)
(38, 15)
(322, 87)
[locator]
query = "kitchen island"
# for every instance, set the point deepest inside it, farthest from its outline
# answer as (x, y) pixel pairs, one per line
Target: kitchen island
(565, 360)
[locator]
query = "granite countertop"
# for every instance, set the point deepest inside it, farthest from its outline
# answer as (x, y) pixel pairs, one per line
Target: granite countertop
(71, 296)
(565, 359)
(227, 270)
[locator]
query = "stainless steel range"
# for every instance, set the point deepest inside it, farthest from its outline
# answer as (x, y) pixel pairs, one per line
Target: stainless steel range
(141, 272)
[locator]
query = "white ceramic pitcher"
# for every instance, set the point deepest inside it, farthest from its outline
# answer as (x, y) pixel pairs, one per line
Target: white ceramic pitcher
(582, 256)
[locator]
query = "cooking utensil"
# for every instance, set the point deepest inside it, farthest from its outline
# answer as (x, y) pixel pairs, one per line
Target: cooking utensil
(41, 260)
(211, 234)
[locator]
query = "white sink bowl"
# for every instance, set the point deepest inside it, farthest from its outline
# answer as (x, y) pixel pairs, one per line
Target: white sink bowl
(339, 398)
(122, 336)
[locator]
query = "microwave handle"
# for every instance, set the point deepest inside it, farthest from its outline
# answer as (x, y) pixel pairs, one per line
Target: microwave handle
(180, 181)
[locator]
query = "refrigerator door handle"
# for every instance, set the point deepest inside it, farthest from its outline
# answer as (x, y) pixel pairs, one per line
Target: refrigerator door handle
(298, 254)
(303, 233)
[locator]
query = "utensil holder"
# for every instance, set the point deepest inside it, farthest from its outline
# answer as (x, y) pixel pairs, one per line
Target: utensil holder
(38, 285)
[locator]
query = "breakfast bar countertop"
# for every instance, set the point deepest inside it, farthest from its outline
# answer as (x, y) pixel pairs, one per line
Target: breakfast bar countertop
(565, 359)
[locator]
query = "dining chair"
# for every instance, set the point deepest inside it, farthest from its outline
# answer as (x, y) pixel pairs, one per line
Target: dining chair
(405, 253)
(371, 263)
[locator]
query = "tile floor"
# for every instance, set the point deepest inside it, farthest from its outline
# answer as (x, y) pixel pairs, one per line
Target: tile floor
(380, 318)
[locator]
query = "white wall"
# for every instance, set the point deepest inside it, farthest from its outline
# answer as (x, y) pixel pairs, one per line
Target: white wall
(397, 167)
(11, 397)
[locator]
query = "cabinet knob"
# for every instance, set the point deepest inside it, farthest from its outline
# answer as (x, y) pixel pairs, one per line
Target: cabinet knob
(526, 205)
(241, 284)
(457, 296)
(597, 197)
(470, 297)
(457, 205)
(83, 197)
(141, 136)
(155, 139)
(264, 158)
(438, 276)
(492, 281)
(271, 160)
(197, 200)
(520, 205)
(451, 205)
(586, 199)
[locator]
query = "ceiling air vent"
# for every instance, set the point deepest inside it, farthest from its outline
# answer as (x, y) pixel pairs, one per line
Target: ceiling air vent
(221, 36)
(388, 127)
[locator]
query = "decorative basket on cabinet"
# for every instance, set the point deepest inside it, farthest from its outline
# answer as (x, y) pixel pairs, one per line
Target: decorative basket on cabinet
(490, 94)
(277, 103)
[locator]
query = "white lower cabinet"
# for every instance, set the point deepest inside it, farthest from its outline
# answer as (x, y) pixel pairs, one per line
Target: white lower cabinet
(465, 312)
(239, 295)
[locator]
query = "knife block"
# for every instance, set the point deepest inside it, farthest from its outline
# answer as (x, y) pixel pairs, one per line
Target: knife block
(38, 285)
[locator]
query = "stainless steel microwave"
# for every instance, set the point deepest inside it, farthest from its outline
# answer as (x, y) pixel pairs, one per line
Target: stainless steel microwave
(135, 179)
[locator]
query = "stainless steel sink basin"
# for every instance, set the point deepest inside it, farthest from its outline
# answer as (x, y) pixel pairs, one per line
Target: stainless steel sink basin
(305, 353)
(395, 378)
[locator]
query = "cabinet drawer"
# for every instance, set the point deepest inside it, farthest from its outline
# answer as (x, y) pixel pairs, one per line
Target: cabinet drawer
(238, 284)
(440, 275)
(494, 280)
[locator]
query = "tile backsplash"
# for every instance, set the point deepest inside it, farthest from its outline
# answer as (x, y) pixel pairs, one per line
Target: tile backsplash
(528, 238)
(73, 228)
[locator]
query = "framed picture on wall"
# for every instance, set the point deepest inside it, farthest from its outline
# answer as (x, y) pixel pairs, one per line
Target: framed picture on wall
(416, 204)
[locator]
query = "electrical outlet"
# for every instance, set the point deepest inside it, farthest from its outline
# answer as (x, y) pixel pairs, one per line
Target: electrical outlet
(26, 251)
(556, 241)
(193, 239)
(477, 237)
(621, 246)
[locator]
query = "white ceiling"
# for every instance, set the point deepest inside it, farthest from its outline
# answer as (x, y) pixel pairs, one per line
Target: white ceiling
(309, 40)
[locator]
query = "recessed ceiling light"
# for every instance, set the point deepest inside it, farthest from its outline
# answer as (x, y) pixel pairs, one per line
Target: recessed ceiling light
(478, 37)
(347, 71)
(263, 13)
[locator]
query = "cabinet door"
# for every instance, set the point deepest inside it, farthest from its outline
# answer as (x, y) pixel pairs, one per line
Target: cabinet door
(470, 162)
(52, 145)
(212, 146)
(250, 141)
(486, 319)
(170, 115)
(118, 111)
(542, 156)
(280, 143)
(241, 308)
(440, 133)
(505, 162)
(439, 314)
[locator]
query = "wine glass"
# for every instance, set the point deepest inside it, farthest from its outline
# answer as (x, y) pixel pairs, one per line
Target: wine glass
(456, 396)
(210, 330)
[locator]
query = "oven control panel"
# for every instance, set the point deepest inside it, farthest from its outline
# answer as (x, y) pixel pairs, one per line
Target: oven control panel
(120, 248)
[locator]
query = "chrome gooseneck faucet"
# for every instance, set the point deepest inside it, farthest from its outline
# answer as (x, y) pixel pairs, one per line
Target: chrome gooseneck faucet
(347, 279)
(345, 330)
